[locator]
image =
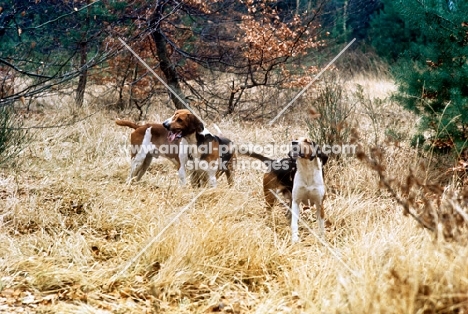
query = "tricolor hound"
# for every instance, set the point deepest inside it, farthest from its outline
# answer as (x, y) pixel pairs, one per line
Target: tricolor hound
(299, 178)
(308, 184)
(148, 141)
(207, 155)
(278, 178)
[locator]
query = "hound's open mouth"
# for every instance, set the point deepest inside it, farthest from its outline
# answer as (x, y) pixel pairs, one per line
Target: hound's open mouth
(171, 136)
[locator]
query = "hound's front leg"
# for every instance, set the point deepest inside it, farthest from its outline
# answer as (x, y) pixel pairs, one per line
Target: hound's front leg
(182, 174)
(294, 221)
(211, 171)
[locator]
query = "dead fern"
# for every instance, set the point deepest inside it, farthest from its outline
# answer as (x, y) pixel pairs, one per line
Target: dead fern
(443, 210)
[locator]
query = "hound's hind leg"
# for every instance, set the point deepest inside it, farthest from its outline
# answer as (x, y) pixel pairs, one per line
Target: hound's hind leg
(142, 159)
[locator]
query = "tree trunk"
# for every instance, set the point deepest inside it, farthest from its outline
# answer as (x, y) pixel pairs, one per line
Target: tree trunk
(80, 90)
(231, 104)
(167, 68)
(345, 18)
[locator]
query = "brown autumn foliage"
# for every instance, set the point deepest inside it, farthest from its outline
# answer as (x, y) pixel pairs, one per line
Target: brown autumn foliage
(255, 45)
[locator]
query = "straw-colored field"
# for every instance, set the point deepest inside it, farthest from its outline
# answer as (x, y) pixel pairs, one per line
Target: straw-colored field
(74, 238)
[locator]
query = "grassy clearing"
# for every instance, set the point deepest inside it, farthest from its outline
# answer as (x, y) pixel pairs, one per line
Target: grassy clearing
(70, 226)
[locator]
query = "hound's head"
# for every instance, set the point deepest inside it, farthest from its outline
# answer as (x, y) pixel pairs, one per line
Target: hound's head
(181, 124)
(307, 149)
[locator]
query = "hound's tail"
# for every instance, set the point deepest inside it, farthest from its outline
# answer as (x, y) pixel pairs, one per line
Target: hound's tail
(258, 156)
(130, 124)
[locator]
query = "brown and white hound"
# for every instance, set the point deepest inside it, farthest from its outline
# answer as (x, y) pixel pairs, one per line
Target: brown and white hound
(299, 178)
(148, 141)
(207, 155)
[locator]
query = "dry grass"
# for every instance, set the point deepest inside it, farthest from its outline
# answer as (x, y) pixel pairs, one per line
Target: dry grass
(70, 226)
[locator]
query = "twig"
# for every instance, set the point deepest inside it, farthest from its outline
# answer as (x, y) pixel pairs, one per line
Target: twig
(55, 126)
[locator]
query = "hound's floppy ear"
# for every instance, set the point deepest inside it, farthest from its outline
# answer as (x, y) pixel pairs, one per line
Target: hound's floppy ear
(196, 124)
(323, 157)
(200, 127)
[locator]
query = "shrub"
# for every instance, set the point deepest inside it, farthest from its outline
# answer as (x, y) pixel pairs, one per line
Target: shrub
(332, 108)
(12, 136)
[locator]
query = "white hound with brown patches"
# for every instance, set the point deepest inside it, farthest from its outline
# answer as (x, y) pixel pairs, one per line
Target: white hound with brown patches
(147, 142)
